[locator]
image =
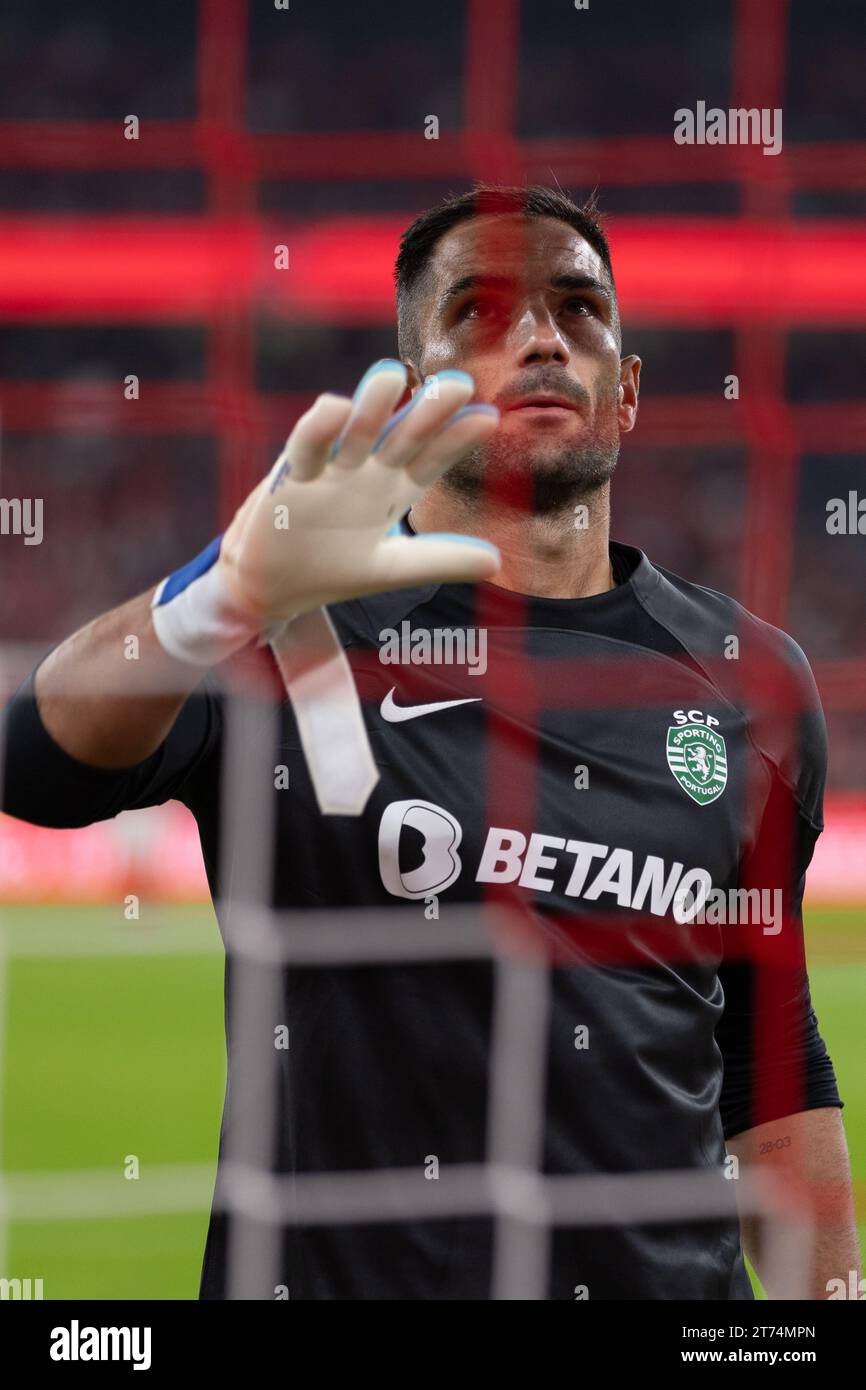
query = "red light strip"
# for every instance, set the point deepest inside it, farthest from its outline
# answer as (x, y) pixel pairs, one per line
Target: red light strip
(669, 271)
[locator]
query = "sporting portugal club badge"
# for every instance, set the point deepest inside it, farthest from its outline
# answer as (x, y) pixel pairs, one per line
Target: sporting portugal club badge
(699, 761)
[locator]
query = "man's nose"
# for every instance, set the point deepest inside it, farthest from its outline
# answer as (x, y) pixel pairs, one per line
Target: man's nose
(538, 340)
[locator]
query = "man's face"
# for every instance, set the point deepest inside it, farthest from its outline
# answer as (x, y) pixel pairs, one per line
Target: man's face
(525, 306)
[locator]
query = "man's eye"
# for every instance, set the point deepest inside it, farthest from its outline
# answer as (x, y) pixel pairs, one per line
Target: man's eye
(578, 306)
(481, 309)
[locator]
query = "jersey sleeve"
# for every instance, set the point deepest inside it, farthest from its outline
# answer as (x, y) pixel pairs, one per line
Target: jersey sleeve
(42, 784)
(775, 1060)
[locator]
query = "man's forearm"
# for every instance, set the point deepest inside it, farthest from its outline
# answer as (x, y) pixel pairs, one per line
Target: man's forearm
(811, 1148)
(110, 694)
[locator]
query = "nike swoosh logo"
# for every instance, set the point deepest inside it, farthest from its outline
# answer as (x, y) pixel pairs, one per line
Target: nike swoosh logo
(396, 714)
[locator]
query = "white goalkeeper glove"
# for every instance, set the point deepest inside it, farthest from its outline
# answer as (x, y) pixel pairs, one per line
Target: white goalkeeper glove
(321, 528)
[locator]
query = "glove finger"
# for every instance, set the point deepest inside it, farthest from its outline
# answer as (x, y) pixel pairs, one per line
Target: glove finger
(434, 558)
(470, 427)
(310, 442)
(413, 427)
(375, 398)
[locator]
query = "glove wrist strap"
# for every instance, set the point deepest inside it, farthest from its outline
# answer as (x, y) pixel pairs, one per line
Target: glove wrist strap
(196, 618)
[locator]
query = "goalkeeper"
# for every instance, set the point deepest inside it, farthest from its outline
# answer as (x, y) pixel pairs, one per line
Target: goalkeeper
(483, 503)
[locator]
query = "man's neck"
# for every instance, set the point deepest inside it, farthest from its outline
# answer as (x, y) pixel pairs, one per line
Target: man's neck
(548, 556)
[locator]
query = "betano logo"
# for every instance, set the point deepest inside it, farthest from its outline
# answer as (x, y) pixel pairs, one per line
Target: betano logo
(440, 839)
(542, 863)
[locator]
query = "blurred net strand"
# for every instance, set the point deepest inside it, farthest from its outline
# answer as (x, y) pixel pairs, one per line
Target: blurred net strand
(522, 1229)
(222, 56)
(464, 1189)
(183, 408)
(397, 1194)
(94, 1194)
(247, 854)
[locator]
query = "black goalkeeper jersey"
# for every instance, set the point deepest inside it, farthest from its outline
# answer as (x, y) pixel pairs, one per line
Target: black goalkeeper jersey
(604, 770)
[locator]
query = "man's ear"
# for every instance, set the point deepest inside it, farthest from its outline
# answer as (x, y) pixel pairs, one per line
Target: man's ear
(627, 392)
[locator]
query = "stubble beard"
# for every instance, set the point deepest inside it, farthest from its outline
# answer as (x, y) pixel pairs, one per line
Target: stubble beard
(546, 479)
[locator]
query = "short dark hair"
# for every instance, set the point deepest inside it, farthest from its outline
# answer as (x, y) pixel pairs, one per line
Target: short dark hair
(419, 240)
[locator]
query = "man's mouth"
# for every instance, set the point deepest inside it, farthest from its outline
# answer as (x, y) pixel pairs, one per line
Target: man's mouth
(543, 402)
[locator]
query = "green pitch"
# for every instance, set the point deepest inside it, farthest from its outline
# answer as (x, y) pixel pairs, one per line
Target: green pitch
(115, 1064)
